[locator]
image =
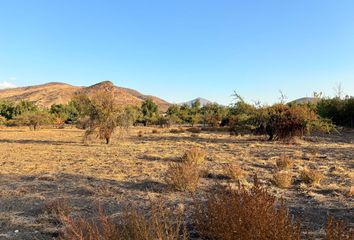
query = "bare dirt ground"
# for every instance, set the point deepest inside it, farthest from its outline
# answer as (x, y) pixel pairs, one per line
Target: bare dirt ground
(37, 168)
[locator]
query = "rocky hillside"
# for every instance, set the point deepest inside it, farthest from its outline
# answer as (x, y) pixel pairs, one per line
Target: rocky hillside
(55, 93)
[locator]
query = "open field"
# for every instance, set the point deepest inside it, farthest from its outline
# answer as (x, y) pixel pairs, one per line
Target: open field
(38, 168)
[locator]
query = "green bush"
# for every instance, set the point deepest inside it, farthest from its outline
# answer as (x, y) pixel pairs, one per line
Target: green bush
(339, 111)
(33, 119)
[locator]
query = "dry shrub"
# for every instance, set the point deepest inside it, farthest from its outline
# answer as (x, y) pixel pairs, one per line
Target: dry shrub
(244, 214)
(133, 224)
(194, 130)
(234, 171)
(194, 155)
(338, 230)
(312, 176)
(283, 179)
(58, 207)
(140, 134)
(176, 131)
(183, 176)
(284, 163)
(155, 131)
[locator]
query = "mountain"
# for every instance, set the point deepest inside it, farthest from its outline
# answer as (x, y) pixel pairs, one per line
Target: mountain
(61, 93)
(202, 101)
(305, 100)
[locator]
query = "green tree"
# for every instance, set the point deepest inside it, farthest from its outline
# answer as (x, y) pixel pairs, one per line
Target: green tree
(213, 114)
(173, 115)
(150, 111)
(25, 106)
(7, 109)
(102, 114)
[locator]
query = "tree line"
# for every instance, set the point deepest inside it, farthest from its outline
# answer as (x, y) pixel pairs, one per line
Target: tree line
(100, 113)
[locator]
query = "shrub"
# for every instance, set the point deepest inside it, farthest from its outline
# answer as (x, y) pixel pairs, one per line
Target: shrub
(140, 133)
(2, 120)
(155, 131)
(234, 171)
(183, 176)
(176, 131)
(337, 230)
(340, 111)
(34, 119)
(284, 163)
(312, 176)
(243, 214)
(283, 179)
(194, 156)
(194, 130)
(285, 122)
(133, 224)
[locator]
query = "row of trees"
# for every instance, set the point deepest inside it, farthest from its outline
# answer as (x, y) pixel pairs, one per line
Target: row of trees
(100, 113)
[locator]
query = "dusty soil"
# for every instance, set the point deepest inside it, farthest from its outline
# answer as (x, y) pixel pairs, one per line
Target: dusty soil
(38, 168)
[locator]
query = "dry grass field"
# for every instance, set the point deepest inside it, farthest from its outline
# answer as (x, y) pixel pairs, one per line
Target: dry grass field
(39, 168)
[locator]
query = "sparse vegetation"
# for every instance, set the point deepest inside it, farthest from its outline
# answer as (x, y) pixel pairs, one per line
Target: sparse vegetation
(234, 171)
(313, 177)
(284, 163)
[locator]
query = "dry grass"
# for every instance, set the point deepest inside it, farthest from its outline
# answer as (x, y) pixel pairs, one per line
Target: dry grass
(283, 179)
(235, 172)
(312, 177)
(161, 223)
(242, 214)
(37, 168)
(284, 163)
(338, 230)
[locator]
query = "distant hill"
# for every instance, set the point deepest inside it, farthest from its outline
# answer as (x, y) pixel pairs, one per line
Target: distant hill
(61, 93)
(305, 100)
(202, 101)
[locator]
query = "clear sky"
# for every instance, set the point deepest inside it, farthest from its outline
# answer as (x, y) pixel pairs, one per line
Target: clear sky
(181, 49)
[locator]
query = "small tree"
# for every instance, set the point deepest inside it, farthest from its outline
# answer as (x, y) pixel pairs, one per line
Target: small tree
(7, 109)
(213, 114)
(173, 115)
(150, 111)
(102, 113)
(34, 119)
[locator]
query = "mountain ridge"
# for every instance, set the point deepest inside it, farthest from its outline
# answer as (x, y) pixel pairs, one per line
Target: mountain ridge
(61, 93)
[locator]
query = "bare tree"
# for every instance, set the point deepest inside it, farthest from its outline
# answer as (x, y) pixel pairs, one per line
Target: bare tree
(338, 90)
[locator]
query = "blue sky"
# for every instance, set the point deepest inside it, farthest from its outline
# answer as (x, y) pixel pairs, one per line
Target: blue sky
(181, 49)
